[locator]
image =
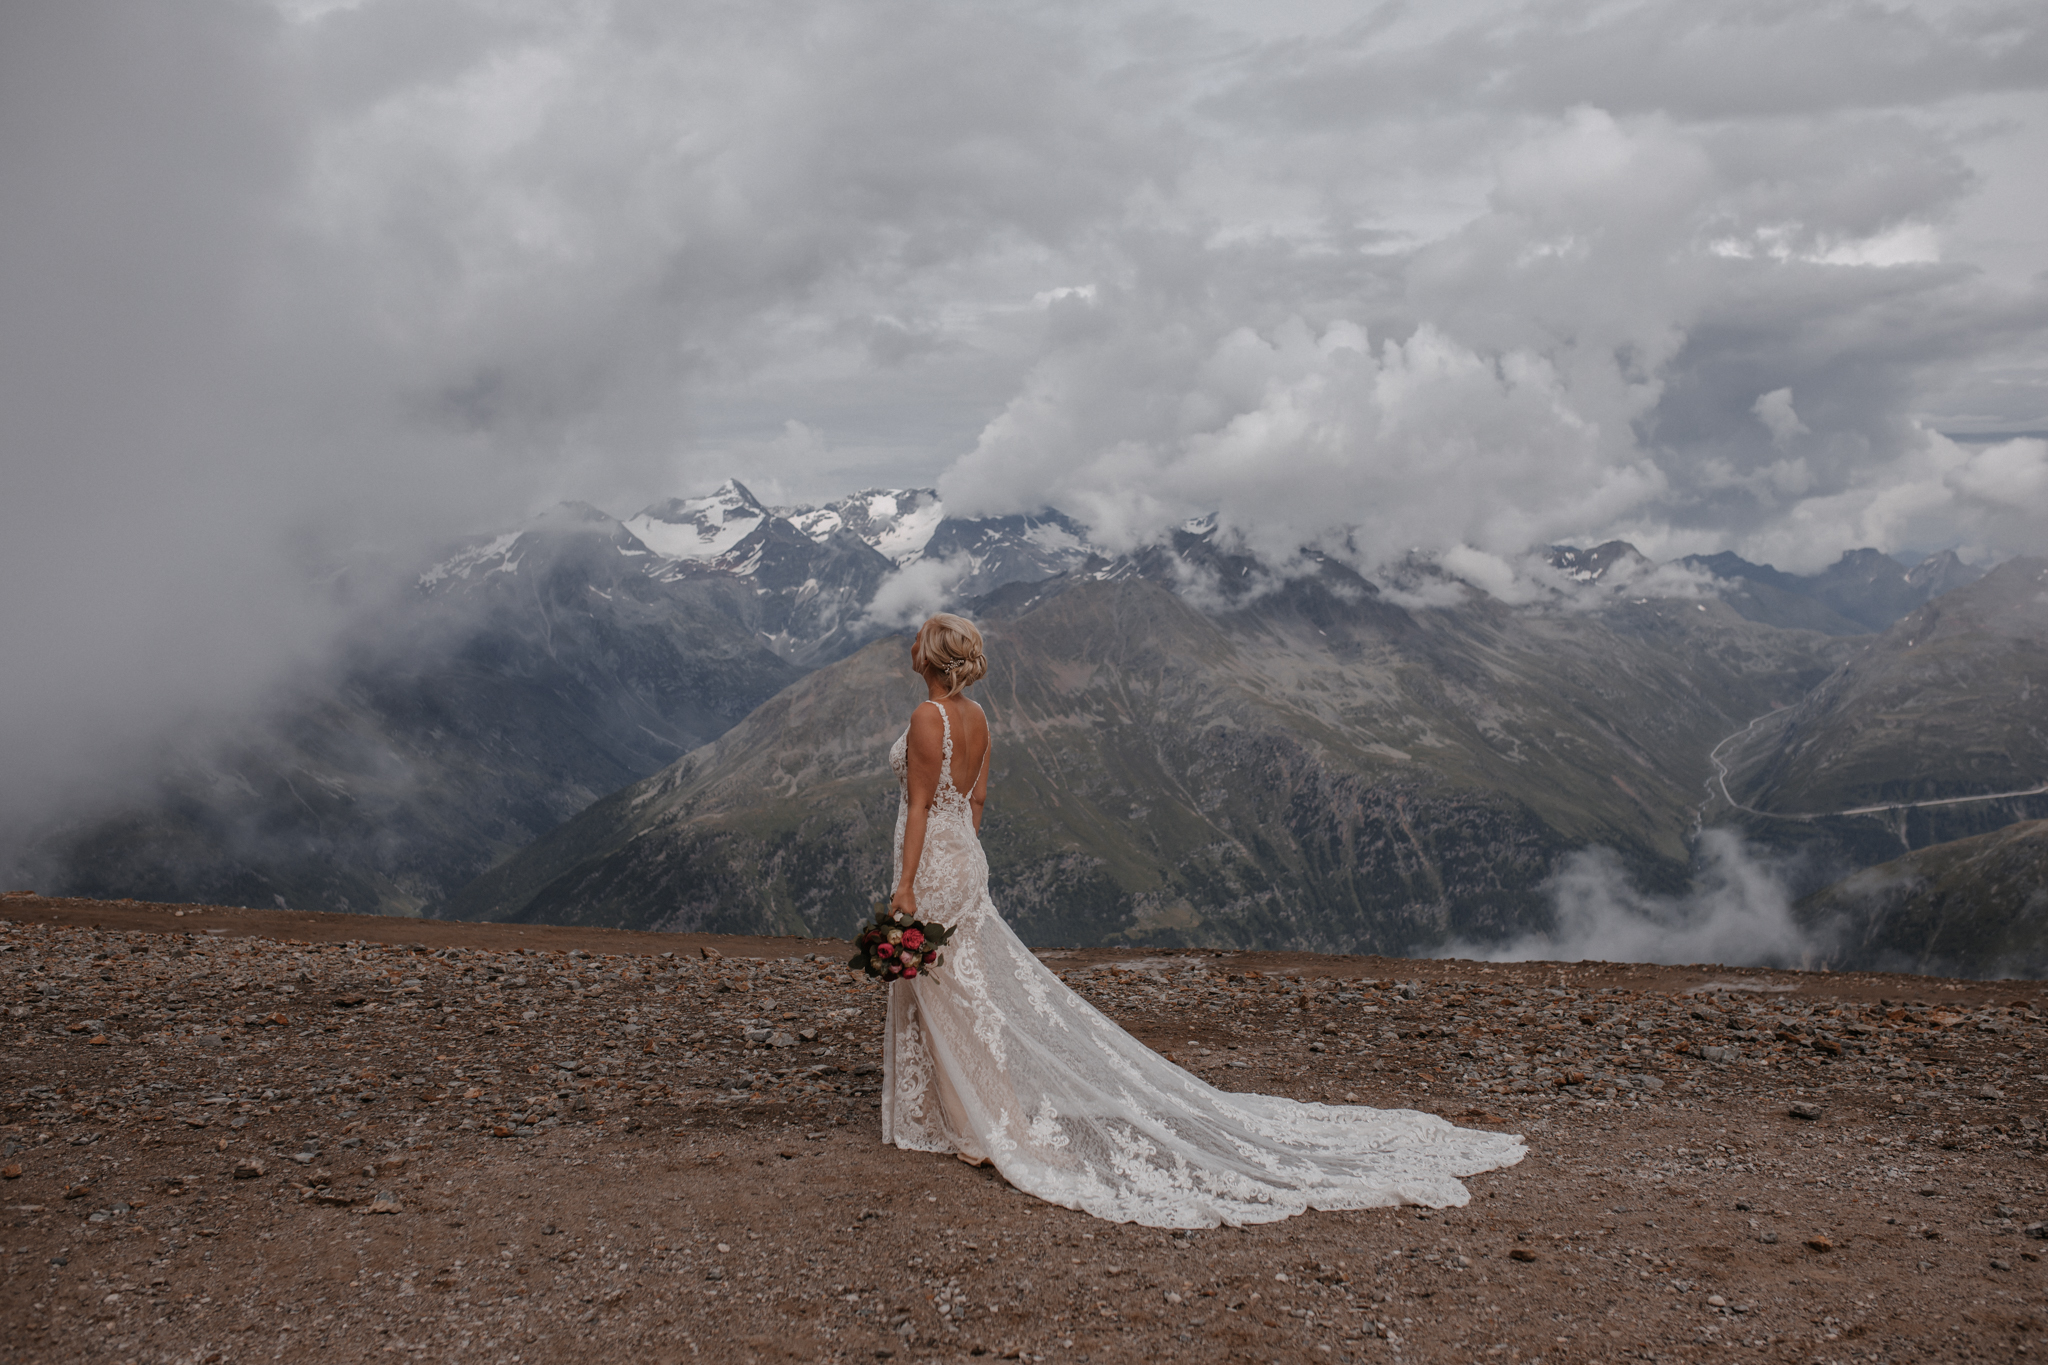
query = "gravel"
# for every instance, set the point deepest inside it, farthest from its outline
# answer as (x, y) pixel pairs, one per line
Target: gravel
(371, 1139)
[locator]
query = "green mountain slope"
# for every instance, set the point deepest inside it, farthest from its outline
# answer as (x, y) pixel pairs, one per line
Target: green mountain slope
(1312, 767)
(1952, 701)
(1971, 907)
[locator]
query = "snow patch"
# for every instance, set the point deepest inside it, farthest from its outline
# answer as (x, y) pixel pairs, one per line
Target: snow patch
(897, 522)
(700, 529)
(905, 538)
(467, 562)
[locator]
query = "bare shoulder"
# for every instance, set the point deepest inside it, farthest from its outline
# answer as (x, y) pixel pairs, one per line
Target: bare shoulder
(927, 726)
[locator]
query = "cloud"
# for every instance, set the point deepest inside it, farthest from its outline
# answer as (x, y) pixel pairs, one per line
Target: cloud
(293, 288)
(1987, 499)
(1300, 437)
(1775, 411)
(312, 283)
(1738, 913)
(1586, 357)
(914, 592)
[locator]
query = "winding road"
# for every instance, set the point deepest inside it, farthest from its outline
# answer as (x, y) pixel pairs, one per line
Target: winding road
(1720, 780)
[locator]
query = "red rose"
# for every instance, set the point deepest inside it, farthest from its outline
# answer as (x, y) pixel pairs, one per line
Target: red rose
(913, 939)
(910, 971)
(885, 950)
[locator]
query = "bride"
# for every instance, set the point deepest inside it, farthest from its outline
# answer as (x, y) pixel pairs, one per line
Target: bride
(992, 1058)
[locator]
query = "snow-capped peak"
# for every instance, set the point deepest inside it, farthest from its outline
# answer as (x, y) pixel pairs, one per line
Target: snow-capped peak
(897, 521)
(700, 528)
(1618, 557)
(491, 555)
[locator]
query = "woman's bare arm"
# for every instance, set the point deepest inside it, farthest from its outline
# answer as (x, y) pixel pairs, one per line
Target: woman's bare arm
(925, 753)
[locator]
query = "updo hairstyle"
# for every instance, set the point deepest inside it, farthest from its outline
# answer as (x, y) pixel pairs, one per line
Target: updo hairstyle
(950, 646)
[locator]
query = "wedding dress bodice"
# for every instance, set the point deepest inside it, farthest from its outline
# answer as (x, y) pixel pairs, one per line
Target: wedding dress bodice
(992, 1056)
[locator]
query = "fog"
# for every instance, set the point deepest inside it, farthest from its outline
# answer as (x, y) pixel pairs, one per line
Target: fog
(292, 291)
(1738, 912)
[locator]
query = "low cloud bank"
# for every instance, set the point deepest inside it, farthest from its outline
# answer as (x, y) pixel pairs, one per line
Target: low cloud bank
(1738, 913)
(917, 590)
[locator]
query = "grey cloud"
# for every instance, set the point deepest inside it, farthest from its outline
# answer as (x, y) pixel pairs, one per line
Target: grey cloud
(285, 284)
(1697, 62)
(1659, 276)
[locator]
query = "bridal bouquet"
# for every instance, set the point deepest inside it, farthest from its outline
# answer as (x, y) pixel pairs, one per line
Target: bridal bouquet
(893, 946)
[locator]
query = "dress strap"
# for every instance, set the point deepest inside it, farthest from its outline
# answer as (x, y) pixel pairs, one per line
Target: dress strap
(947, 743)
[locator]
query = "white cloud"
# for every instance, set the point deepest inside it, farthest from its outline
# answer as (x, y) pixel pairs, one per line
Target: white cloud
(1988, 499)
(1905, 244)
(1302, 437)
(1738, 912)
(1426, 597)
(918, 590)
(1492, 575)
(1775, 411)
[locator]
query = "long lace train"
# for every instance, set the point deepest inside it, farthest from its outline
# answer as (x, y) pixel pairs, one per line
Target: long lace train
(992, 1056)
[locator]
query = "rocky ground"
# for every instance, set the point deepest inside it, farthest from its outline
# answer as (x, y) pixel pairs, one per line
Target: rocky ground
(236, 1135)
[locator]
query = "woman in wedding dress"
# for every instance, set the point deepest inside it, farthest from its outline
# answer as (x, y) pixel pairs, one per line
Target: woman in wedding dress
(992, 1058)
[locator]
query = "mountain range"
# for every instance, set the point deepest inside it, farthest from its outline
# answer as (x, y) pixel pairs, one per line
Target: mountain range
(678, 718)
(519, 677)
(1310, 764)
(1865, 590)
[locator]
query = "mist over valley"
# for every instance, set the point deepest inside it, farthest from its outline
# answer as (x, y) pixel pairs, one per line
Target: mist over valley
(679, 720)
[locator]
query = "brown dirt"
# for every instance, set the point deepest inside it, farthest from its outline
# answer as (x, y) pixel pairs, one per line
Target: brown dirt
(624, 1175)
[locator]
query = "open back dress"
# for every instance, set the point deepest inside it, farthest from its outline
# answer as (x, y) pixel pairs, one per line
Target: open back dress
(992, 1056)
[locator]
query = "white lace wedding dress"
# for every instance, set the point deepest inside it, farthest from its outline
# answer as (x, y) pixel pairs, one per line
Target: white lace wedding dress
(991, 1056)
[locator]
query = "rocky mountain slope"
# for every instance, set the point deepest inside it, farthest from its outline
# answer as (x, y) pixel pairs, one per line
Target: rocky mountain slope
(1949, 704)
(1311, 766)
(525, 675)
(522, 677)
(804, 577)
(1978, 906)
(519, 687)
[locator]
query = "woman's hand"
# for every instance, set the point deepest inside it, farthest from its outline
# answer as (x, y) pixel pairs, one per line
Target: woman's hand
(904, 902)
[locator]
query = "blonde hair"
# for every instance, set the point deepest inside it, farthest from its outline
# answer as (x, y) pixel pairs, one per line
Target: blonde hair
(951, 646)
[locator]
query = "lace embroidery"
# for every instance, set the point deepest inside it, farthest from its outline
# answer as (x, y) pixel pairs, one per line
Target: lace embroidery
(1045, 1128)
(1115, 1129)
(1000, 1142)
(905, 1121)
(1034, 984)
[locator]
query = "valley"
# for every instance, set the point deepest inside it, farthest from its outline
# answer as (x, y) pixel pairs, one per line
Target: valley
(1935, 729)
(1313, 767)
(679, 719)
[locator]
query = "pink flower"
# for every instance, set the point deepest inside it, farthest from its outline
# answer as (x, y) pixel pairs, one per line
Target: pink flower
(913, 939)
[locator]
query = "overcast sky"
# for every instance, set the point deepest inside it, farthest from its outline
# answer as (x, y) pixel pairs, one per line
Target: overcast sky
(281, 278)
